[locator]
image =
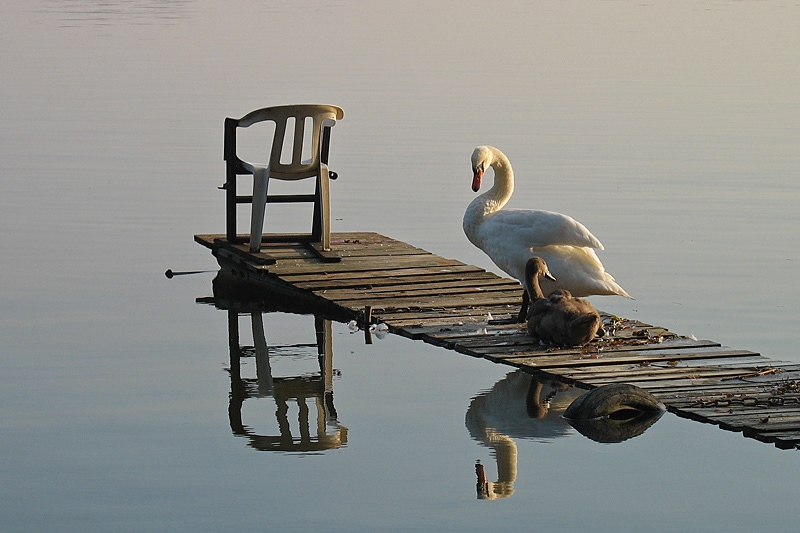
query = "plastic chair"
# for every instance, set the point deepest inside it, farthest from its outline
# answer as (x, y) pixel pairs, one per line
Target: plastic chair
(323, 117)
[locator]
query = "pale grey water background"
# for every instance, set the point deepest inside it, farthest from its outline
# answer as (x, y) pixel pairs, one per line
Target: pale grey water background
(670, 129)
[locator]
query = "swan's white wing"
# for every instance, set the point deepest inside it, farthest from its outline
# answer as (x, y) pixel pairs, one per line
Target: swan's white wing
(578, 270)
(535, 228)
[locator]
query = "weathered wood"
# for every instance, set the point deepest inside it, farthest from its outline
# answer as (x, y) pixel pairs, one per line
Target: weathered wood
(684, 396)
(548, 362)
(404, 322)
(363, 264)
(379, 283)
(381, 272)
(465, 299)
(405, 290)
(592, 351)
(524, 344)
(653, 372)
(447, 303)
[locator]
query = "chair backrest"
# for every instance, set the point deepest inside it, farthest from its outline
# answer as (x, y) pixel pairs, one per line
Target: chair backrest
(323, 117)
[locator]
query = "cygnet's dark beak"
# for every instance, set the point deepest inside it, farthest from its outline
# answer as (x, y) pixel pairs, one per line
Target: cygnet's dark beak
(549, 276)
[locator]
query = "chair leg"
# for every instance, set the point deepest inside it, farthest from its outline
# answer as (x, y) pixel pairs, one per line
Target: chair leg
(325, 208)
(260, 184)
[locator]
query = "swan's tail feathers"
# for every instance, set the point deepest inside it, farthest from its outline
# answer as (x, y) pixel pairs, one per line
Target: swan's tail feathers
(625, 294)
(621, 292)
(615, 287)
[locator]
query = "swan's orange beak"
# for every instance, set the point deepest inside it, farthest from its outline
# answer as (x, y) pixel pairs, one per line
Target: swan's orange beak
(476, 181)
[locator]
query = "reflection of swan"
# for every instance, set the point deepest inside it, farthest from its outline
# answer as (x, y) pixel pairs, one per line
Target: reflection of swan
(511, 236)
(518, 406)
(559, 318)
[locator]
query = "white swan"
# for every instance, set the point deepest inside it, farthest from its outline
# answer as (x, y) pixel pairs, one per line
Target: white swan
(512, 236)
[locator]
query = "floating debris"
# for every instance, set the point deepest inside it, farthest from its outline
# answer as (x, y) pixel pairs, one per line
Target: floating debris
(379, 330)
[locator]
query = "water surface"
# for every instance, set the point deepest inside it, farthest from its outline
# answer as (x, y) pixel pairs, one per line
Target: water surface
(671, 131)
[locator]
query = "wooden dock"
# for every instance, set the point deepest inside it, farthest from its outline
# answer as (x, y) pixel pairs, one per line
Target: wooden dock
(450, 304)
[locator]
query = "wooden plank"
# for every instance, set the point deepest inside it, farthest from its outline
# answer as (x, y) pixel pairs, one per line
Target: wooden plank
(337, 238)
(734, 394)
(589, 352)
(355, 243)
(788, 437)
(753, 362)
(756, 360)
(665, 375)
(455, 330)
(353, 296)
(516, 335)
(681, 396)
(427, 288)
(696, 381)
(293, 252)
(780, 382)
(725, 413)
(309, 274)
(427, 317)
(389, 282)
(649, 371)
(299, 265)
(765, 424)
(361, 237)
(381, 305)
(414, 323)
(526, 343)
(632, 356)
(361, 264)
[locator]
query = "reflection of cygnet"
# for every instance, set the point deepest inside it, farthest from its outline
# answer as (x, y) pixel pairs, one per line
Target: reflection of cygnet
(538, 406)
(518, 406)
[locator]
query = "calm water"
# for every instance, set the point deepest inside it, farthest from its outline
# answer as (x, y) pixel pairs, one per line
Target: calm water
(672, 131)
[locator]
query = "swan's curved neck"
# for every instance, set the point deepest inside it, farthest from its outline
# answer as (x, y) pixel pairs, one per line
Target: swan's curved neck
(502, 188)
(490, 201)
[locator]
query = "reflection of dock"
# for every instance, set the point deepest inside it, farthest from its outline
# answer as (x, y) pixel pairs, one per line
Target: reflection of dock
(445, 302)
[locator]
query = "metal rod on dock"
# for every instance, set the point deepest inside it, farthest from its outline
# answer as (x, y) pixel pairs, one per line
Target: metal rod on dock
(171, 273)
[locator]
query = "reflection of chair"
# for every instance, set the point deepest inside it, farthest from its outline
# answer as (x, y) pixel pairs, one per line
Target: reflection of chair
(300, 131)
(318, 389)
